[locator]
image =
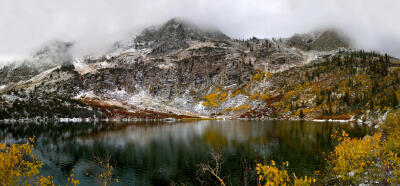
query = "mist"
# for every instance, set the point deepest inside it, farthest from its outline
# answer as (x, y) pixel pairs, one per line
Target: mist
(94, 25)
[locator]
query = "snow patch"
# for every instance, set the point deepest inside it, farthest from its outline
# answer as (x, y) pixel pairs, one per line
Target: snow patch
(140, 101)
(200, 108)
(2, 87)
(82, 68)
(235, 101)
(84, 94)
(165, 65)
(71, 120)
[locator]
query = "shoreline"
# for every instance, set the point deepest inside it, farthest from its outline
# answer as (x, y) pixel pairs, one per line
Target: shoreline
(88, 120)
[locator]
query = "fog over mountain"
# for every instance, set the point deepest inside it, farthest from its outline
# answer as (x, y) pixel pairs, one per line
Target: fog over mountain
(95, 24)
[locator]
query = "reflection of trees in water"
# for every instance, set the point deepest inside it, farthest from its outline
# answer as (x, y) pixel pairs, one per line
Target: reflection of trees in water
(299, 142)
(303, 143)
(63, 147)
(52, 132)
(310, 136)
(299, 135)
(171, 152)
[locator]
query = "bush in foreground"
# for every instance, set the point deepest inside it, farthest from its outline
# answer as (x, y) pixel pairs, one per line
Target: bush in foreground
(18, 166)
(372, 159)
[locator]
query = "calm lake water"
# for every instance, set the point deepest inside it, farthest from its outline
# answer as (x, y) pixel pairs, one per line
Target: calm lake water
(161, 153)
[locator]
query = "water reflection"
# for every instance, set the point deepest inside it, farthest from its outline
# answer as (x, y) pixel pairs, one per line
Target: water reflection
(156, 153)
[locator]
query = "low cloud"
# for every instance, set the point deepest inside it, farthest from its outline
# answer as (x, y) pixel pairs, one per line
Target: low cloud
(95, 24)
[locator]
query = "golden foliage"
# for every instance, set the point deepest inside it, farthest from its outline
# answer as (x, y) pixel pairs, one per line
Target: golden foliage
(255, 96)
(264, 97)
(237, 92)
(290, 95)
(214, 99)
(258, 77)
(352, 157)
(104, 178)
(238, 108)
(268, 75)
(392, 126)
(72, 180)
(19, 166)
(304, 181)
(271, 175)
(370, 158)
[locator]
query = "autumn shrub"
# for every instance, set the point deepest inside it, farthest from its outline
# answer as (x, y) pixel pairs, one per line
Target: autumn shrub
(214, 99)
(258, 77)
(19, 166)
(71, 179)
(105, 176)
(352, 158)
(272, 175)
(367, 160)
(303, 181)
(392, 130)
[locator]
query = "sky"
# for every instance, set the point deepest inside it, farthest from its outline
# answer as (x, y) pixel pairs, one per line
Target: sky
(93, 25)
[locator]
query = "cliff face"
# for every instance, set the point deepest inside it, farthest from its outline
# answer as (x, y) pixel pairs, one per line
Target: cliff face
(175, 70)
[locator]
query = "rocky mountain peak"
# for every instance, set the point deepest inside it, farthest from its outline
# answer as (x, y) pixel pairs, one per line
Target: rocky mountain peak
(175, 34)
(186, 28)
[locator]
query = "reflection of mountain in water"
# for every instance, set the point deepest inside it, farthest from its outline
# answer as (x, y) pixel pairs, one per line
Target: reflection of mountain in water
(152, 153)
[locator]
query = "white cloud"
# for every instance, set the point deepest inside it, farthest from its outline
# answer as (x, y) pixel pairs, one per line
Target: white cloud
(95, 24)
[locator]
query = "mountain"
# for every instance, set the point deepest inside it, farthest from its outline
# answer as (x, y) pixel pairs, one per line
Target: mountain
(174, 35)
(180, 70)
(48, 56)
(323, 41)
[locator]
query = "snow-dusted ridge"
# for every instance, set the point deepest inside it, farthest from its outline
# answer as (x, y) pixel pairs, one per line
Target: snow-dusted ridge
(166, 72)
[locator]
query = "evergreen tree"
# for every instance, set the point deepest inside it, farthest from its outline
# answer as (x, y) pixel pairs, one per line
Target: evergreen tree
(301, 114)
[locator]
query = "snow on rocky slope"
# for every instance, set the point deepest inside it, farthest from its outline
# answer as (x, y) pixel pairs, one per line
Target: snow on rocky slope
(172, 71)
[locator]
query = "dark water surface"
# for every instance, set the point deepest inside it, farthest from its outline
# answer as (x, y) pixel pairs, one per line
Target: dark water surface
(160, 153)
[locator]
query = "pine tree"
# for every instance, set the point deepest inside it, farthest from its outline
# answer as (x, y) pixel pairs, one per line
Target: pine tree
(301, 114)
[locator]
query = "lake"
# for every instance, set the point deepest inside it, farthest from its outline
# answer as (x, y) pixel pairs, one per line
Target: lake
(165, 153)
